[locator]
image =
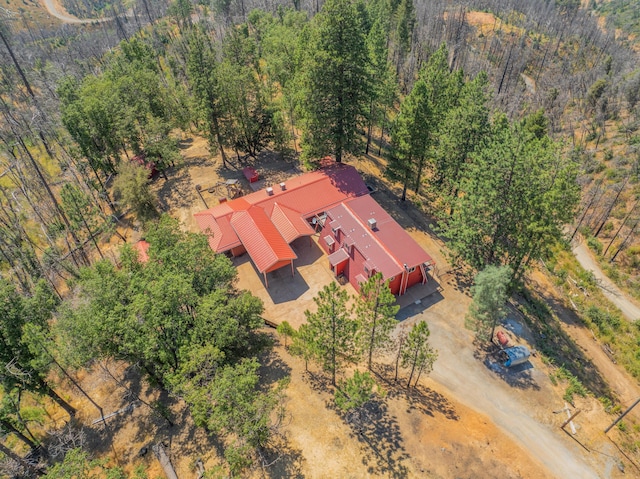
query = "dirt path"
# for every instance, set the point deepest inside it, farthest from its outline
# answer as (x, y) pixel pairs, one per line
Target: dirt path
(56, 10)
(629, 309)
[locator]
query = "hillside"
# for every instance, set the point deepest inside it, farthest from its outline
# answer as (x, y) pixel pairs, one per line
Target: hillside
(493, 131)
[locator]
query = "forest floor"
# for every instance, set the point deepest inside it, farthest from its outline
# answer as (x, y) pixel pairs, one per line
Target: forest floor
(470, 418)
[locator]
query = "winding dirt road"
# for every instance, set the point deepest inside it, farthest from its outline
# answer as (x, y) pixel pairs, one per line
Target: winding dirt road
(56, 10)
(629, 309)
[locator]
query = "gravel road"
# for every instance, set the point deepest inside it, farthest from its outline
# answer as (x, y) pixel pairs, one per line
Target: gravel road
(510, 408)
(629, 309)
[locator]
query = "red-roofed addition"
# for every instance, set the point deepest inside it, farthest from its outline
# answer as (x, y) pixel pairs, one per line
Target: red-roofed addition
(290, 223)
(261, 238)
(378, 244)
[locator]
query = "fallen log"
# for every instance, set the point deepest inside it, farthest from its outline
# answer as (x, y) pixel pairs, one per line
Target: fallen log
(165, 462)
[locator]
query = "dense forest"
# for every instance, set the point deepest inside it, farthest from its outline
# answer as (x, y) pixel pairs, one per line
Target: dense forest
(508, 122)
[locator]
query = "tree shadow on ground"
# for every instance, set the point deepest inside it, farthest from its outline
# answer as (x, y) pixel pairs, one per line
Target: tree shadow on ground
(428, 401)
(419, 397)
(461, 280)
(380, 437)
(177, 191)
(535, 307)
(319, 382)
(281, 460)
(272, 369)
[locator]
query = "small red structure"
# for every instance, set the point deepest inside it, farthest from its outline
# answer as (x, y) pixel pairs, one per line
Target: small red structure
(148, 164)
(503, 339)
(142, 247)
(250, 174)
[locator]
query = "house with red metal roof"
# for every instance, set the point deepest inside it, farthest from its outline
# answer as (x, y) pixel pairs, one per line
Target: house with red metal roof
(266, 222)
(335, 199)
(362, 239)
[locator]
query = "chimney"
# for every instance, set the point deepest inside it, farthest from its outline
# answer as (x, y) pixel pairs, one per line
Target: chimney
(269, 191)
(373, 224)
(283, 186)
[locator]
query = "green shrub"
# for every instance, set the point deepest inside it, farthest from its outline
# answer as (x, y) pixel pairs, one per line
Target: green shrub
(574, 388)
(603, 319)
(608, 154)
(562, 273)
(594, 244)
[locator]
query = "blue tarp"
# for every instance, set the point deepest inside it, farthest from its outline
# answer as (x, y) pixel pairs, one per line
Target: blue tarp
(516, 355)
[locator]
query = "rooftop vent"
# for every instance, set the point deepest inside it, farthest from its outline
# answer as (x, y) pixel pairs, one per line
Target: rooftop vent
(373, 224)
(269, 191)
(283, 186)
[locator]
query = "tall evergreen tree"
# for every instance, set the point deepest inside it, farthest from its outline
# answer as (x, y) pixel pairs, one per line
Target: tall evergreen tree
(331, 329)
(463, 131)
(202, 70)
(515, 195)
(337, 83)
(384, 82)
(376, 310)
(410, 137)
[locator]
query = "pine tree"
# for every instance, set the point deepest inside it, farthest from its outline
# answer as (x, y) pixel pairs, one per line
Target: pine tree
(517, 192)
(410, 138)
(417, 353)
(337, 83)
(202, 69)
(489, 300)
(331, 329)
(376, 310)
(463, 131)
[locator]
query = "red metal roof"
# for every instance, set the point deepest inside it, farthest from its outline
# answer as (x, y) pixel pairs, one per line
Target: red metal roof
(388, 247)
(220, 233)
(266, 222)
(338, 257)
(142, 247)
(364, 240)
(261, 239)
(388, 232)
(290, 223)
